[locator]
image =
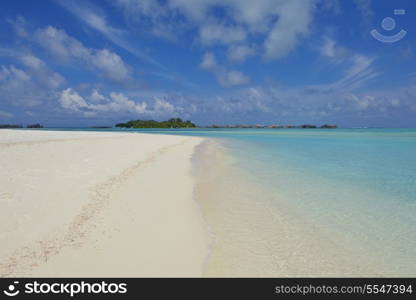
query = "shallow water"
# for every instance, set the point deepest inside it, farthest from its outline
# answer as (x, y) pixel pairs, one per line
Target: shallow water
(290, 202)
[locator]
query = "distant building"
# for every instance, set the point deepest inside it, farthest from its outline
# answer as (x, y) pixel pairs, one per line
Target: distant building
(329, 126)
(37, 125)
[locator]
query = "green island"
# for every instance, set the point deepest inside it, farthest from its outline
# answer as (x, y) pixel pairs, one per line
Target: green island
(171, 123)
(179, 123)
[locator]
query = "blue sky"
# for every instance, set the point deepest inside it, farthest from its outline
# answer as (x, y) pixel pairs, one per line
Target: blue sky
(84, 63)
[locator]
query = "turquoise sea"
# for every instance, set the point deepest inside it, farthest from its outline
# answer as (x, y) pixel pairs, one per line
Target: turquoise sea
(308, 202)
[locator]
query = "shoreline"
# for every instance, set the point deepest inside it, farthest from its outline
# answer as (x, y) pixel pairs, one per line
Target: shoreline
(134, 216)
(258, 231)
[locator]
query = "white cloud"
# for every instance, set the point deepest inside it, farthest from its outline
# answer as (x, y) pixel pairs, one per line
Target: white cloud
(279, 103)
(96, 97)
(361, 102)
(277, 26)
(61, 45)
(332, 50)
(247, 100)
(69, 49)
(154, 18)
(275, 103)
(239, 53)
(71, 100)
(360, 72)
(208, 61)
(294, 20)
(44, 75)
(90, 16)
(148, 11)
(120, 103)
(328, 48)
(226, 78)
(232, 78)
(19, 25)
(111, 64)
(30, 86)
(359, 68)
(12, 72)
(115, 103)
(162, 106)
(214, 33)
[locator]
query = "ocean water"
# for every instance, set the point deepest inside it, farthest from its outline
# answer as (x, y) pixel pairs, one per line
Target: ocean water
(308, 202)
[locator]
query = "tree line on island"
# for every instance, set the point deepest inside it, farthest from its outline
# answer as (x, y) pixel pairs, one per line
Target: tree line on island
(37, 125)
(171, 123)
(179, 123)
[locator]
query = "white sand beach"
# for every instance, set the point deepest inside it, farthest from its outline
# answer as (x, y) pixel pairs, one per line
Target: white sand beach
(106, 204)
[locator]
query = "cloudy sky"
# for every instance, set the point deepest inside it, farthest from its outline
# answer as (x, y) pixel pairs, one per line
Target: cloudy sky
(82, 63)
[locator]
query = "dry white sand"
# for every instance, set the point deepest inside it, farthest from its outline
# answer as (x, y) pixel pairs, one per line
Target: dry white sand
(87, 204)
